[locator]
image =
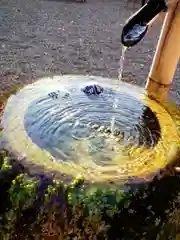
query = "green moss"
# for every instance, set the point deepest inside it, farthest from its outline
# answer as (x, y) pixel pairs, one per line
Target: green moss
(87, 211)
(22, 195)
(23, 191)
(89, 207)
(78, 181)
(51, 190)
(5, 166)
(2, 157)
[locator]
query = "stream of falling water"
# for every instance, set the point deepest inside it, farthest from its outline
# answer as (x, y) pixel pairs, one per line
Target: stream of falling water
(121, 64)
(120, 73)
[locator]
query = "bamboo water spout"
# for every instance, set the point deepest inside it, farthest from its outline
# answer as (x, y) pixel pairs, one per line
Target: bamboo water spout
(166, 56)
(168, 48)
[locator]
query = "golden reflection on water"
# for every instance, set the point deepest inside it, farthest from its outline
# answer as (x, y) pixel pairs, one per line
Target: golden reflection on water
(132, 161)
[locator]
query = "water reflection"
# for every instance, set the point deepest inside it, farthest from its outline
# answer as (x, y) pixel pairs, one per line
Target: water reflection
(113, 136)
(66, 127)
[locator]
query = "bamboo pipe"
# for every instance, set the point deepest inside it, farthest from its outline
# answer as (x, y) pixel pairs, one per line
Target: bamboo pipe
(166, 56)
(178, 237)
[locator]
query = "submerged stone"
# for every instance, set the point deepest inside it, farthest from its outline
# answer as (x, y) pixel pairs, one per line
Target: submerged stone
(93, 89)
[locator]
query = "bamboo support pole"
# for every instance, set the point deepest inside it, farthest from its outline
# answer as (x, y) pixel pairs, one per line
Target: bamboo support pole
(178, 237)
(166, 56)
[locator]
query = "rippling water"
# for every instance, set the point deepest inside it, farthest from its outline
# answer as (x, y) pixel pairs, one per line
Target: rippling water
(74, 124)
(104, 136)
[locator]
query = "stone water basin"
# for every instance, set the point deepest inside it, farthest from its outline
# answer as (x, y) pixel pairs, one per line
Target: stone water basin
(117, 135)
